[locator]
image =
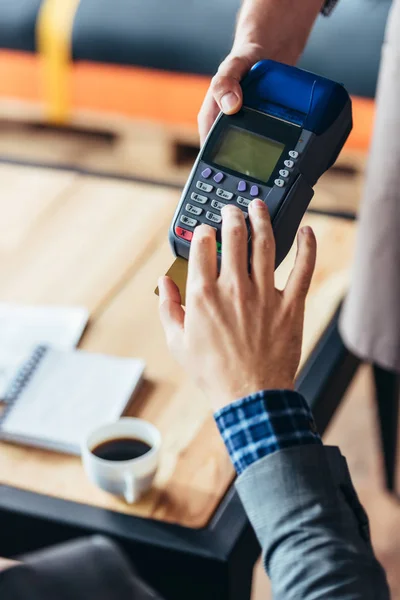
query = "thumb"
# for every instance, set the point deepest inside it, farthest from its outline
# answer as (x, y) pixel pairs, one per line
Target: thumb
(225, 86)
(172, 314)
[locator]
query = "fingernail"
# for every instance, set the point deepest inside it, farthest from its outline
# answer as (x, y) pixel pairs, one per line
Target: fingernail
(229, 102)
(258, 204)
(306, 230)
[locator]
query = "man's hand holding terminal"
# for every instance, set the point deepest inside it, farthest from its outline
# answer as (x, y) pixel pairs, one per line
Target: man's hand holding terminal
(239, 334)
(275, 29)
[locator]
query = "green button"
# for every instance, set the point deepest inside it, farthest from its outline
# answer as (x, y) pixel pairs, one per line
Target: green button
(219, 247)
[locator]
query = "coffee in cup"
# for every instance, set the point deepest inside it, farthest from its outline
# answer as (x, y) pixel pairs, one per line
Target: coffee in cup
(121, 449)
(122, 457)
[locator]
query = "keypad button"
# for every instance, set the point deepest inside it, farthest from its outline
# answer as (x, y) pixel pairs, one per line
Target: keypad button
(293, 154)
(243, 201)
(219, 177)
(289, 164)
(188, 221)
(194, 210)
(213, 217)
(224, 194)
(219, 247)
(206, 173)
(279, 182)
(184, 233)
(241, 186)
(198, 198)
(204, 187)
(217, 205)
(254, 191)
(284, 173)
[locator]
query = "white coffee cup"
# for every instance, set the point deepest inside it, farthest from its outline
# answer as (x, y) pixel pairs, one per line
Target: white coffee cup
(127, 478)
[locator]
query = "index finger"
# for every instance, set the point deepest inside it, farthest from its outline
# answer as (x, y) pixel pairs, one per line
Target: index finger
(203, 256)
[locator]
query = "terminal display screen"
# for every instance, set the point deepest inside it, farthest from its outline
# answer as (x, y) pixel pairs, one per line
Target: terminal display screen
(246, 152)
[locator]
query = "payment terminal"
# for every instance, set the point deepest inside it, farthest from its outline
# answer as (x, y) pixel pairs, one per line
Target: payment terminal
(291, 129)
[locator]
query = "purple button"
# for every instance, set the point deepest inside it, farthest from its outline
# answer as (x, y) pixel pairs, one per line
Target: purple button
(242, 186)
(254, 190)
(206, 173)
(218, 177)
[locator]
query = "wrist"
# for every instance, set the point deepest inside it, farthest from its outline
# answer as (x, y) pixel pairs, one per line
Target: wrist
(255, 48)
(223, 398)
(251, 49)
(278, 28)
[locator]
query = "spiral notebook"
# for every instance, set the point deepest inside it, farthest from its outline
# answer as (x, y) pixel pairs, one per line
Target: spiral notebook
(24, 327)
(58, 397)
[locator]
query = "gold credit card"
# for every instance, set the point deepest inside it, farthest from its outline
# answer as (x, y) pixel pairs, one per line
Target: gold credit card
(178, 272)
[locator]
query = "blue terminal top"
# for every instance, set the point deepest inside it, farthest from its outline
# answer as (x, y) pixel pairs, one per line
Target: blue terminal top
(294, 95)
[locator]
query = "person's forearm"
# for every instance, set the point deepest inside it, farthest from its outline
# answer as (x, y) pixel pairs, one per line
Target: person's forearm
(279, 27)
(311, 526)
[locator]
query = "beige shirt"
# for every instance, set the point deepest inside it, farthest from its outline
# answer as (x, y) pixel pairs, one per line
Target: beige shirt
(370, 323)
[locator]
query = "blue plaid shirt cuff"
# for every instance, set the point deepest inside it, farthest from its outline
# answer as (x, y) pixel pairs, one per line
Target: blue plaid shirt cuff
(264, 423)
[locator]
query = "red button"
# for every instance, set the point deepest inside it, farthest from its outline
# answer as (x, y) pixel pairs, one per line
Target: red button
(184, 233)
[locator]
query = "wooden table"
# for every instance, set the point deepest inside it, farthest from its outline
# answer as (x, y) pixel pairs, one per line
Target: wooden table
(67, 238)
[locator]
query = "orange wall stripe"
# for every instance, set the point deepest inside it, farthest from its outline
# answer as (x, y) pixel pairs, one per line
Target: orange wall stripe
(363, 124)
(20, 76)
(138, 93)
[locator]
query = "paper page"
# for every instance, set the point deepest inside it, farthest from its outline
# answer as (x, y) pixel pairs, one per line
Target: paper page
(70, 394)
(24, 327)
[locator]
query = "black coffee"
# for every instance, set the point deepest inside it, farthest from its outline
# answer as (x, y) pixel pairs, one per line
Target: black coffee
(121, 449)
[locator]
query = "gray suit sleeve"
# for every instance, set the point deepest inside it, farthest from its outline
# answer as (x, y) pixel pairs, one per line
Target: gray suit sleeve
(313, 531)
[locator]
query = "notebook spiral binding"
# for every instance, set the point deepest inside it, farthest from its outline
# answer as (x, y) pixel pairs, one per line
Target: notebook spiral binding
(20, 380)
